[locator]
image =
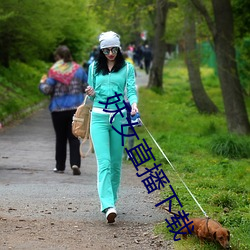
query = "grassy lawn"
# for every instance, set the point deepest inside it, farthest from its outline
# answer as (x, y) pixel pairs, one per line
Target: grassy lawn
(214, 164)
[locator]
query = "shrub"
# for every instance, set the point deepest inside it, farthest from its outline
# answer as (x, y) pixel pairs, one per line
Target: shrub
(224, 200)
(231, 146)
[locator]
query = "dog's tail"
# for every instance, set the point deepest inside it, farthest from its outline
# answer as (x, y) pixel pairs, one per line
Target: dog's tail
(171, 212)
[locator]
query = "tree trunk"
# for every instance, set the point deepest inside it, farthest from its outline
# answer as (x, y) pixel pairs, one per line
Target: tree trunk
(201, 99)
(223, 38)
(159, 46)
(233, 97)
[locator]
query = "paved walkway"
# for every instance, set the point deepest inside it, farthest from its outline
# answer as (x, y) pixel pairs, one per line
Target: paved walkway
(141, 78)
(31, 191)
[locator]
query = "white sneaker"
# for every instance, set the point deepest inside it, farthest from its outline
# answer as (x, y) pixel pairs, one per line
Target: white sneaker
(58, 171)
(111, 214)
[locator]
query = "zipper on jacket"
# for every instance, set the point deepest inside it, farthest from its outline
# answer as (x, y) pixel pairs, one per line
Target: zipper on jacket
(109, 84)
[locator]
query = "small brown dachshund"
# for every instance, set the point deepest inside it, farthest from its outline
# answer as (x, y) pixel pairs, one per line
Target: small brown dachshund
(208, 229)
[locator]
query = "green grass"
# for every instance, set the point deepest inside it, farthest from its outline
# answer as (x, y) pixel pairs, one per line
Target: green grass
(214, 164)
(19, 87)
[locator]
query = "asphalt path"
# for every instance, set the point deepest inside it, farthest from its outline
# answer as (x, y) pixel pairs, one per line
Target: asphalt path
(31, 190)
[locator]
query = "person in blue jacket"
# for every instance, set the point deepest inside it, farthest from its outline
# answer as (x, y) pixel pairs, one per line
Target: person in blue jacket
(109, 75)
(65, 83)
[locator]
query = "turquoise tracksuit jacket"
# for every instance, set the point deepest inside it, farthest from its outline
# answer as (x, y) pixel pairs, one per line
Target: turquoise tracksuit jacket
(121, 82)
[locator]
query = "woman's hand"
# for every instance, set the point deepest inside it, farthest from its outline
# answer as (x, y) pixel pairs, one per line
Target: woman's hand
(90, 91)
(134, 109)
(43, 79)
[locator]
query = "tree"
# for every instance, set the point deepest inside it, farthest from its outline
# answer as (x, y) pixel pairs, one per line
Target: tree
(241, 17)
(23, 33)
(159, 46)
(28, 33)
(201, 99)
(223, 38)
(242, 33)
(127, 17)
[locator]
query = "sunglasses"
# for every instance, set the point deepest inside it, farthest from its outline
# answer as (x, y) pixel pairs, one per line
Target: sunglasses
(106, 51)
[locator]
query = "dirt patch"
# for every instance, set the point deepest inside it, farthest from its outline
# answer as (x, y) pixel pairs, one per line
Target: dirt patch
(40, 209)
(50, 234)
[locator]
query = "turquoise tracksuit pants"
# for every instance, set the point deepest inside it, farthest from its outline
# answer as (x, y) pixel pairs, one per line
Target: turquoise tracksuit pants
(108, 150)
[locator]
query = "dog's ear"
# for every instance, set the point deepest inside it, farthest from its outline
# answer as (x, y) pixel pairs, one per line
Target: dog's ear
(214, 235)
(228, 237)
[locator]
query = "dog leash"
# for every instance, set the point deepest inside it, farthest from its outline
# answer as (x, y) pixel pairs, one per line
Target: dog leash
(175, 170)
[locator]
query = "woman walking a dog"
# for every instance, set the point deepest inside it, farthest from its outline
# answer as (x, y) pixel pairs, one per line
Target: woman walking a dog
(109, 75)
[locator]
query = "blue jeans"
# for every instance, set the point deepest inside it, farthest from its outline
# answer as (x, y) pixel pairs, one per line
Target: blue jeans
(108, 150)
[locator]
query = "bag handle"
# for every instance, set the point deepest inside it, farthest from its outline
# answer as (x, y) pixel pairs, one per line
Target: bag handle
(90, 149)
(85, 99)
(87, 137)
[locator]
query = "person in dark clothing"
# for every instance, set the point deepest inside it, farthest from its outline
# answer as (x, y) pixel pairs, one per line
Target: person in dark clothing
(138, 56)
(147, 54)
(65, 83)
(93, 55)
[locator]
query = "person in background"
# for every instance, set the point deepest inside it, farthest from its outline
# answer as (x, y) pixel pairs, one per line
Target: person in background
(108, 75)
(92, 57)
(93, 54)
(128, 59)
(147, 54)
(138, 52)
(66, 83)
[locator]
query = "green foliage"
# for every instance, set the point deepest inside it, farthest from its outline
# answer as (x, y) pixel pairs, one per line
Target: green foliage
(231, 146)
(29, 33)
(128, 18)
(219, 183)
(243, 60)
(241, 17)
(175, 24)
(224, 200)
(176, 18)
